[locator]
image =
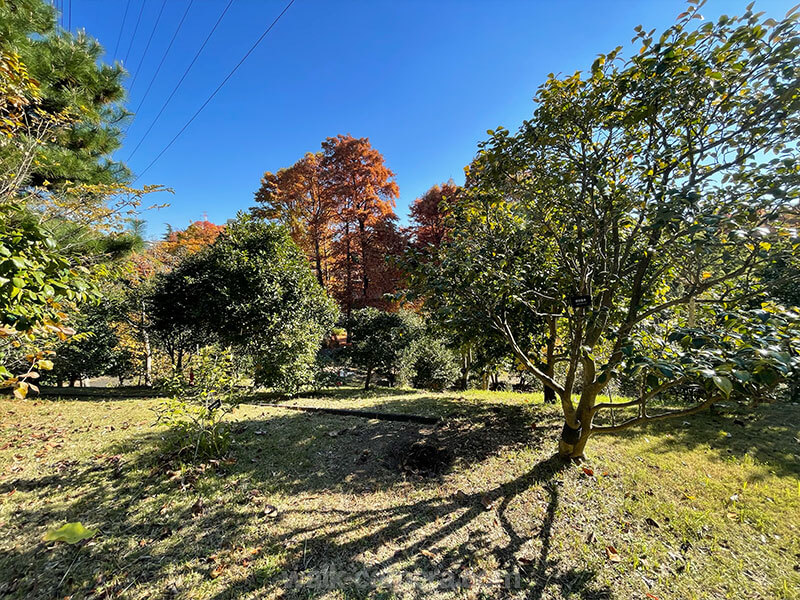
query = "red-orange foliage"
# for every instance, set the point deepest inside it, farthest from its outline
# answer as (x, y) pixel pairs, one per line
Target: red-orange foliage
(297, 197)
(180, 243)
(429, 211)
(338, 206)
(363, 190)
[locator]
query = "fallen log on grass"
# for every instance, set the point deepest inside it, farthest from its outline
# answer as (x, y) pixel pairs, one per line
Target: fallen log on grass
(364, 414)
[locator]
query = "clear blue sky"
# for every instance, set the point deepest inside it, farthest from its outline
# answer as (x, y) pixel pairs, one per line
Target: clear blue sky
(423, 79)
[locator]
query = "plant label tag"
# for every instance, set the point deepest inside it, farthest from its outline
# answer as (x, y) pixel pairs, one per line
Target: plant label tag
(580, 301)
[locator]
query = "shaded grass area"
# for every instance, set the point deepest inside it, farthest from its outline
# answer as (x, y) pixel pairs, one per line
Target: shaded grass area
(312, 505)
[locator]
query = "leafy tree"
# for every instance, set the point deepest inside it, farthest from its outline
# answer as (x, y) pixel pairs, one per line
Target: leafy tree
(297, 197)
(92, 352)
(252, 290)
(170, 309)
(73, 82)
(380, 338)
(476, 272)
(180, 243)
(654, 193)
(63, 201)
(42, 279)
(338, 206)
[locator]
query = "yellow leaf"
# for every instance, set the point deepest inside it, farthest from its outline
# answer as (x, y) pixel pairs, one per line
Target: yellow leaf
(70, 533)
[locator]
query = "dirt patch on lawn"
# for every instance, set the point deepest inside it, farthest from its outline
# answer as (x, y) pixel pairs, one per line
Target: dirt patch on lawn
(424, 458)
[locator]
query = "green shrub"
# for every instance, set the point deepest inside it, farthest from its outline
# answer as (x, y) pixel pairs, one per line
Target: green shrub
(380, 338)
(427, 363)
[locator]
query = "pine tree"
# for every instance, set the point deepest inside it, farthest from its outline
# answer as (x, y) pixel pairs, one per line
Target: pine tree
(71, 81)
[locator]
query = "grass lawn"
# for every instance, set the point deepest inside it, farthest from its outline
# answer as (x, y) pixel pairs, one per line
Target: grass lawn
(316, 505)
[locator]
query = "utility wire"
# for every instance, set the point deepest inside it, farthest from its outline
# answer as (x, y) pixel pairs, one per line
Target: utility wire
(180, 81)
(163, 58)
(219, 87)
(147, 46)
(121, 27)
(135, 29)
(70, 16)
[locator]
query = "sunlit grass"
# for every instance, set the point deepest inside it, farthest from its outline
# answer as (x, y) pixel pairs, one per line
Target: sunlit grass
(705, 510)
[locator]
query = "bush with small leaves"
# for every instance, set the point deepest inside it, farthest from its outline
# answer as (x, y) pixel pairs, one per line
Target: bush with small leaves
(427, 363)
(195, 414)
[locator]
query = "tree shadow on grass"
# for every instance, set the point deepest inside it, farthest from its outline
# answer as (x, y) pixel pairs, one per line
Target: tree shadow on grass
(98, 393)
(342, 503)
(768, 433)
(344, 393)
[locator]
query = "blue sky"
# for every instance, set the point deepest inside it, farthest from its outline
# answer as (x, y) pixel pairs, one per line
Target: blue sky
(423, 80)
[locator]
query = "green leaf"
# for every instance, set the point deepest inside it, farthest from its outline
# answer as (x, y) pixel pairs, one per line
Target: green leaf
(742, 376)
(724, 384)
(71, 533)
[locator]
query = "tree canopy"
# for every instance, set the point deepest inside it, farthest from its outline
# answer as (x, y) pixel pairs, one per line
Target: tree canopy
(251, 289)
(639, 209)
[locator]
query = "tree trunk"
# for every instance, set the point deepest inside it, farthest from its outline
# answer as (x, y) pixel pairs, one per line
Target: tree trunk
(549, 395)
(348, 293)
(369, 376)
(550, 366)
(318, 261)
(465, 361)
(363, 241)
(573, 441)
(148, 359)
(148, 354)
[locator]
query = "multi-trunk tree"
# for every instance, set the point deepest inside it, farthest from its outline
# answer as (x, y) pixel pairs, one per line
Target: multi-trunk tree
(338, 206)
(654, 193)
(251, 290)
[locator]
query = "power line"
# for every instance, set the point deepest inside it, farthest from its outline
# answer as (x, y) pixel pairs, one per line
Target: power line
(135, 29)
(147, 46)
(180, 81)
(163, 58)
(219, 87)
(121, 27)
(70, 16)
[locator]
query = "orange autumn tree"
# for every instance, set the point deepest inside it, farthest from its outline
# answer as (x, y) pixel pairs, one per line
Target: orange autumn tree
(339, 208)
(179, 243)
(364, 193)
(429, 212)
(296, 197)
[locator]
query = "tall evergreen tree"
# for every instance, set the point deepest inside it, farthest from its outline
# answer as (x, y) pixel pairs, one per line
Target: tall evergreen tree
(71, 81)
